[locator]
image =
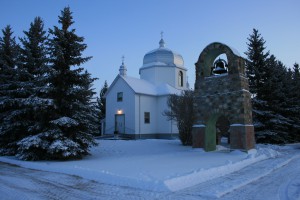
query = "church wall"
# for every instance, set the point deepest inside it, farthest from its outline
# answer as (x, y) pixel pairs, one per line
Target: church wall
(125, 107)
(146, 103)
(165, 126)
(165, 75)
(159, 75)
(176, 77)
(148, 74)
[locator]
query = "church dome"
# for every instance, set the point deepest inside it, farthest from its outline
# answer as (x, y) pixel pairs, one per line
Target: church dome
(162, 56)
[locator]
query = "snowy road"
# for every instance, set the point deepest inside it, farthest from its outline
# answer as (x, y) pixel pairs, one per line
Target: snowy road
(22, 184)
(282, 183)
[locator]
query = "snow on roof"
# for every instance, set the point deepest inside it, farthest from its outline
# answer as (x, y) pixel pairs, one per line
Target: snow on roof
(164, 56)
(164, 89)
(141, 86)
(154, 64)
(234, 51)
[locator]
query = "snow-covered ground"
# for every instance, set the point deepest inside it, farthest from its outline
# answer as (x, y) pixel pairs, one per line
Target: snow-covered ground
(165, 167)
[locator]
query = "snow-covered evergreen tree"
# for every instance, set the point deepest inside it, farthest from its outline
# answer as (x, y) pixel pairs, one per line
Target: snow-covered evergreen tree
(256, 62)
(35, 73)
(71, 122)
(274, 113)
(296, 83)
(270, 108)
(295, 100)
(11, 108)
(255, 66)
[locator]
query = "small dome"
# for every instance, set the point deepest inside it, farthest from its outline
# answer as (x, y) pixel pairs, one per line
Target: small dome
(162, 57)
(123, 69)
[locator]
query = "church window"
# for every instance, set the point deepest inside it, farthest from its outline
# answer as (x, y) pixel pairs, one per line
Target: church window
(180, 79)
(120, 96)
(147, 117)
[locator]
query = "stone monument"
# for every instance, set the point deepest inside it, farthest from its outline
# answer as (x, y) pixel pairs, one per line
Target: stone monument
(222, 100)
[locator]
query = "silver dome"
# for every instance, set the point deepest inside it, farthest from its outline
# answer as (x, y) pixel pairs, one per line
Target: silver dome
(162, 57)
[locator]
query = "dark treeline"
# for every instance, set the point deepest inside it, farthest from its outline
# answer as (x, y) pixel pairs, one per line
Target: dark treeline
(45, 96)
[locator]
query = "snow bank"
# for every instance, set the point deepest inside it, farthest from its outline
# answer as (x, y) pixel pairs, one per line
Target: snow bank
(203, 175)
(158, 165)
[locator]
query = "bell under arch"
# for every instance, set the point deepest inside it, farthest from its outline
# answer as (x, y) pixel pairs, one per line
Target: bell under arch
(211, 52)
(220, 66)
(217, 96)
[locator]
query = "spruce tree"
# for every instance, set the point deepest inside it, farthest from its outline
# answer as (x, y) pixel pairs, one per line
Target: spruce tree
(296, 74)
(35, 73)
(101, 104)
(256, 62)
(11, 109)
(274, 112)
(273, 106)
(68, 133)
(295, 100)
(296, 83)
(286, 106)
(34, 52)
(255, 66)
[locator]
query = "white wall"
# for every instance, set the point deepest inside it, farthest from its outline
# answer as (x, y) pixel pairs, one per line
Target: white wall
(134, 106)
(148, 74)
(158, 122)
(177, 70)
(127, 107)
(158, 75)
(145, 103)
(164, 126)
(163, 74)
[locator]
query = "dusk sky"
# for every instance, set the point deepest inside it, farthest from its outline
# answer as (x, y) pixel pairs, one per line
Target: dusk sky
(114, 28)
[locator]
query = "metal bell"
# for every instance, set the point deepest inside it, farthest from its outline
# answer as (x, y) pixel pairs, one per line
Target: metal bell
(220, 67)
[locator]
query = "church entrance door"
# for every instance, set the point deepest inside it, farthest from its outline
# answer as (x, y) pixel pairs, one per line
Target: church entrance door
(120, 123)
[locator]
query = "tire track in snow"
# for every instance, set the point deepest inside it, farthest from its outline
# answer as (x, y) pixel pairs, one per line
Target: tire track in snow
(261, 180)
(24, 184)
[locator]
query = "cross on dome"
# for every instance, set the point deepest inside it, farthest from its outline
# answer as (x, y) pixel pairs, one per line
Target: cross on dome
(123, 69)
(161, 42)
(123, 58)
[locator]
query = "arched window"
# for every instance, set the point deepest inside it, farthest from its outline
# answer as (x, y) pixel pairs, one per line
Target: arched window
(180, 79)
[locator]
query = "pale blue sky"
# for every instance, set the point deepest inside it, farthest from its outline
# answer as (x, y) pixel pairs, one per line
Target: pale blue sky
(113, 28)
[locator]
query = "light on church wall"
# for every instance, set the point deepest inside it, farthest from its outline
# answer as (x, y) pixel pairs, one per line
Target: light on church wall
(119, 112)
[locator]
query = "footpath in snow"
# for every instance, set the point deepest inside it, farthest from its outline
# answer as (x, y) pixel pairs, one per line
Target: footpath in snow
(238, 179)
(161, 165)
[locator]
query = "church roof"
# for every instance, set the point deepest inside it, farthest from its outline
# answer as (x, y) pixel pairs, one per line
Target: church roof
(162, 56)
(140, 86)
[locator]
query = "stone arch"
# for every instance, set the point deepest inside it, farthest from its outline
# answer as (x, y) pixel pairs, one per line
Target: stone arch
(211, 129)
(222, 95)
(211, 52)
(223, 126)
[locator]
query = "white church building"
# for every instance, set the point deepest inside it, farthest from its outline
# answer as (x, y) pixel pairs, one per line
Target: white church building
(135, 106)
